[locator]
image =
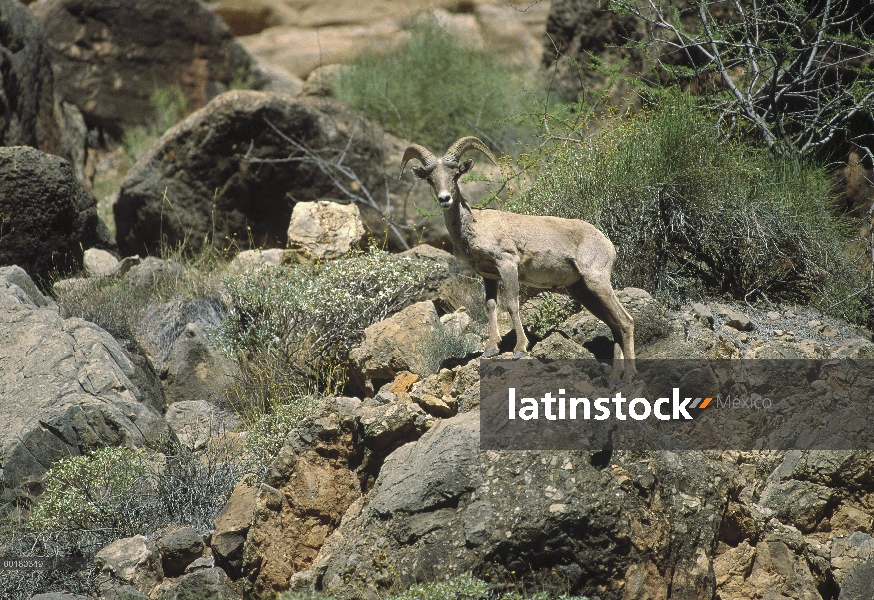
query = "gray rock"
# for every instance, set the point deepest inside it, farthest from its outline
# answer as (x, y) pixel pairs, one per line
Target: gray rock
(179, 548)
(99, 263)
(857, 584)
(18, 288)
(206, 584)
(558, 347)
(435, 471)
(133, 561)
(66, 386)
(153, 271)
(58, 596)
(110, 56)
(799, 503)
(396, 344)
(26, 84)
(49, 217)
(196, 421)
(442, 505)
(207, 151)
(196, 371)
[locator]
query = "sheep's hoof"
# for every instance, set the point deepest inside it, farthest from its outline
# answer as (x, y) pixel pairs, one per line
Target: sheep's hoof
(489, 353)
(519, 354)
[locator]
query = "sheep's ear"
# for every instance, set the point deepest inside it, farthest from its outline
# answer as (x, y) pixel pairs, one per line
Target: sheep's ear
(420, 172)
(465, 166)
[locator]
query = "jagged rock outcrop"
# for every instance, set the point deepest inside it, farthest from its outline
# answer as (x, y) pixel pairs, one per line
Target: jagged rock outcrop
(28, 116)
(217, 190)
(47, 217)
(66, 386)
(110, 56)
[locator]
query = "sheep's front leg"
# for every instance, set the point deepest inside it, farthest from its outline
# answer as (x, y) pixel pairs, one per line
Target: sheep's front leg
(492, 306)
(510, 279)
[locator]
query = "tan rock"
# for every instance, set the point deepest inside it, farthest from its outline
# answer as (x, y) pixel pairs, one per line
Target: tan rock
(327, 229)
(301, 50)
(403, 382)
(435, 406)
(394, 345)
(232, 525)
(133, 561)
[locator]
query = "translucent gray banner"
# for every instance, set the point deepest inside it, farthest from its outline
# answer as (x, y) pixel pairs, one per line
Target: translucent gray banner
(761, 404)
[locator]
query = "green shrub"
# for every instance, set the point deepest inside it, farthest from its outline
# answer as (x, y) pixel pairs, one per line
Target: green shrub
(292, 328)
(103, 490)
(433, 90)
(550, 313)
(268, 431)
(691, 213)
(450, 342)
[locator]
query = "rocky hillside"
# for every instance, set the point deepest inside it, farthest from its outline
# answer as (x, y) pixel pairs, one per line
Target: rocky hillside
(264, 379)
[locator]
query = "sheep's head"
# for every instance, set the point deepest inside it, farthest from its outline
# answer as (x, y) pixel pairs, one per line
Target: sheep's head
(442, 174)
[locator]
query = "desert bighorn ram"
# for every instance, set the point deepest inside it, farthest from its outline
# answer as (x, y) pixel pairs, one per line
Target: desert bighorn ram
(537, 251)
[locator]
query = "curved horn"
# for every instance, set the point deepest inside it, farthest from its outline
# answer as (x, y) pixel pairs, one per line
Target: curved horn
(421, 154)
(469, 143)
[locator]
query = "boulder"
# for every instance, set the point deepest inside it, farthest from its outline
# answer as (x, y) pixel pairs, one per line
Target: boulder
(179, 547)
(27, 105)
(134, 561)
(196, 371)
(99, 263)
(231, 527)
(396, 344)
(110, 56)
(218, 191)
(325, 230)
(250, 259)
(66, 386)
(47, 217)
(323, 467)
(195, 422)
(205, 584)
(442, 507)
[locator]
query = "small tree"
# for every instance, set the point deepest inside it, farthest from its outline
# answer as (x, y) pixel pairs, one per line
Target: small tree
(796, 72)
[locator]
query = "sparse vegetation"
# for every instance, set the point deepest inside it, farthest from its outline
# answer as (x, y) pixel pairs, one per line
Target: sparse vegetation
(550, 313)
(434, 89)
(293, 328)
(691, 213)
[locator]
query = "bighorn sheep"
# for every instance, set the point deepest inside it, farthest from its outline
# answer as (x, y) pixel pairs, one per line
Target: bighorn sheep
(537, 251)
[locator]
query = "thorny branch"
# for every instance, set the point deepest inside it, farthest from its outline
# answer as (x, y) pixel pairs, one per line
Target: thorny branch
(798, 73)
(343, 177)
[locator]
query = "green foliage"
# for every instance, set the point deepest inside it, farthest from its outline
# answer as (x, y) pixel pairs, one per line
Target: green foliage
(449, 342)
(433, 90)
(154, 313)
(550, 313)
(170, 105)
(691, 212)
(98, 490)
(293, 328)
(116, 492)
(268, 431)
(463, 587)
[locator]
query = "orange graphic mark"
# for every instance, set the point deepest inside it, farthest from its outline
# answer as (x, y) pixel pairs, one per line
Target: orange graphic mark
(705, 403)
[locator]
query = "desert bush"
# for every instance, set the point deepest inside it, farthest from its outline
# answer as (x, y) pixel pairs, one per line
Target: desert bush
(550, 313)
(434, 89)
(692, 213)
(115, 492)
(118, 492)
(292, 328)
(153, 314)
(450, 342)
(268, 431)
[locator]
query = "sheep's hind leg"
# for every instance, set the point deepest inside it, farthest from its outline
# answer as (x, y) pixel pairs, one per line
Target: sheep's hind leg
(598, 297)
(492, 305)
